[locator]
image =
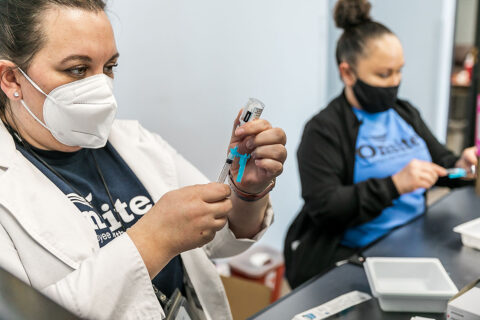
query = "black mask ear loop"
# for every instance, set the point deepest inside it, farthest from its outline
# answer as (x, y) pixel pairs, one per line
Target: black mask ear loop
(354, 72)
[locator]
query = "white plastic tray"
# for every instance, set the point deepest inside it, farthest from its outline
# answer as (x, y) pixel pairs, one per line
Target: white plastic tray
(470, 232)
(409, 284)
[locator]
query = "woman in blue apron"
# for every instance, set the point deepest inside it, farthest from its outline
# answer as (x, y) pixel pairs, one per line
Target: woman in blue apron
(367, 159)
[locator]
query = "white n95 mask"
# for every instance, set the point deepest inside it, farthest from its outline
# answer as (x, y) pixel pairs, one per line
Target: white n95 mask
(79, 113)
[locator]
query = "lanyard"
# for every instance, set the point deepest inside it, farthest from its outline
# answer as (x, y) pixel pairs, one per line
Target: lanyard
(177, 302)
(65, 180)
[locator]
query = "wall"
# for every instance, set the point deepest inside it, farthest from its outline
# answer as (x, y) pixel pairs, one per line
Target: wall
(466, 20)
(188, 66)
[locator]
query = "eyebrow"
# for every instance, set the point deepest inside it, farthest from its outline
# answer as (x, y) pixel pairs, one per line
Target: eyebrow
(115, 56)
(392, 69)
(85, 58)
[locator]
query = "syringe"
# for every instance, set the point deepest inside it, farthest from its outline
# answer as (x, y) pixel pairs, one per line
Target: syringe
(455, 173)
(251, 111)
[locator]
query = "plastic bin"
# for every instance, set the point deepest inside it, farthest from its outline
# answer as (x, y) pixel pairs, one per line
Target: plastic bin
(409, 284)
(470, 232)
(261, 264)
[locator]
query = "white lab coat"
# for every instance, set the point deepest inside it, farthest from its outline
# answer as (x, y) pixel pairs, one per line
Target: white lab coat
(46, 241)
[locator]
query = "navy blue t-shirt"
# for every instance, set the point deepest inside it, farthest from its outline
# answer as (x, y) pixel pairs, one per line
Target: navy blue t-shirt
(130, 197)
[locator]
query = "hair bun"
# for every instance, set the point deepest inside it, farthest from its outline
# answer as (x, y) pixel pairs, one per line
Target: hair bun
(350, 13)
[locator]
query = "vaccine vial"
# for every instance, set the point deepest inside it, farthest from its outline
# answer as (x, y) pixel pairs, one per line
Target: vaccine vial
(252, 110)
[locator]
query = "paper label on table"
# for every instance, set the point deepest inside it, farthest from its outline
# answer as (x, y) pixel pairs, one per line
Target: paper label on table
(334, 306)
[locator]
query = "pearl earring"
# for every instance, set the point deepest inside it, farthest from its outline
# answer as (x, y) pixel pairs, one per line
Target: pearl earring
(16, 94)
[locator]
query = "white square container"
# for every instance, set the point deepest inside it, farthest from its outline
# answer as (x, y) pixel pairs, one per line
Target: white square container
(409, 284)
(470, 232)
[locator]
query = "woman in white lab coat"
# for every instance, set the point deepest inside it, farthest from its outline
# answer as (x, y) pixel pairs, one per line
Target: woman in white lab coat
(94, 210)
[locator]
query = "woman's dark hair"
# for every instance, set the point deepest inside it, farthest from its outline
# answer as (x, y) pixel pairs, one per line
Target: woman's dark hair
(353, 16)
(21, 33)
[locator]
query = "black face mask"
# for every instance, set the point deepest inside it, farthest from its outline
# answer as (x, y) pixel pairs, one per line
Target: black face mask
(374, 99)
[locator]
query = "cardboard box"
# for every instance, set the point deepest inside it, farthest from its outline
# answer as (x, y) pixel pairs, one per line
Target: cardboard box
(246, 297)
(262, 264)
(466, 304)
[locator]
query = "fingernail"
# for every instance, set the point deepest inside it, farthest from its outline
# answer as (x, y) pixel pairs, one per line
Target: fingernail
(249, 144)
(239, 131)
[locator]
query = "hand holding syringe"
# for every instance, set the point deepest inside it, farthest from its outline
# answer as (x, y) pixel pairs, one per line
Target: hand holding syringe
(251, 111)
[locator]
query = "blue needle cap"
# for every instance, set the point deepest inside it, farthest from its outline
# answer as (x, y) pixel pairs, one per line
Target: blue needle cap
(243, 158)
